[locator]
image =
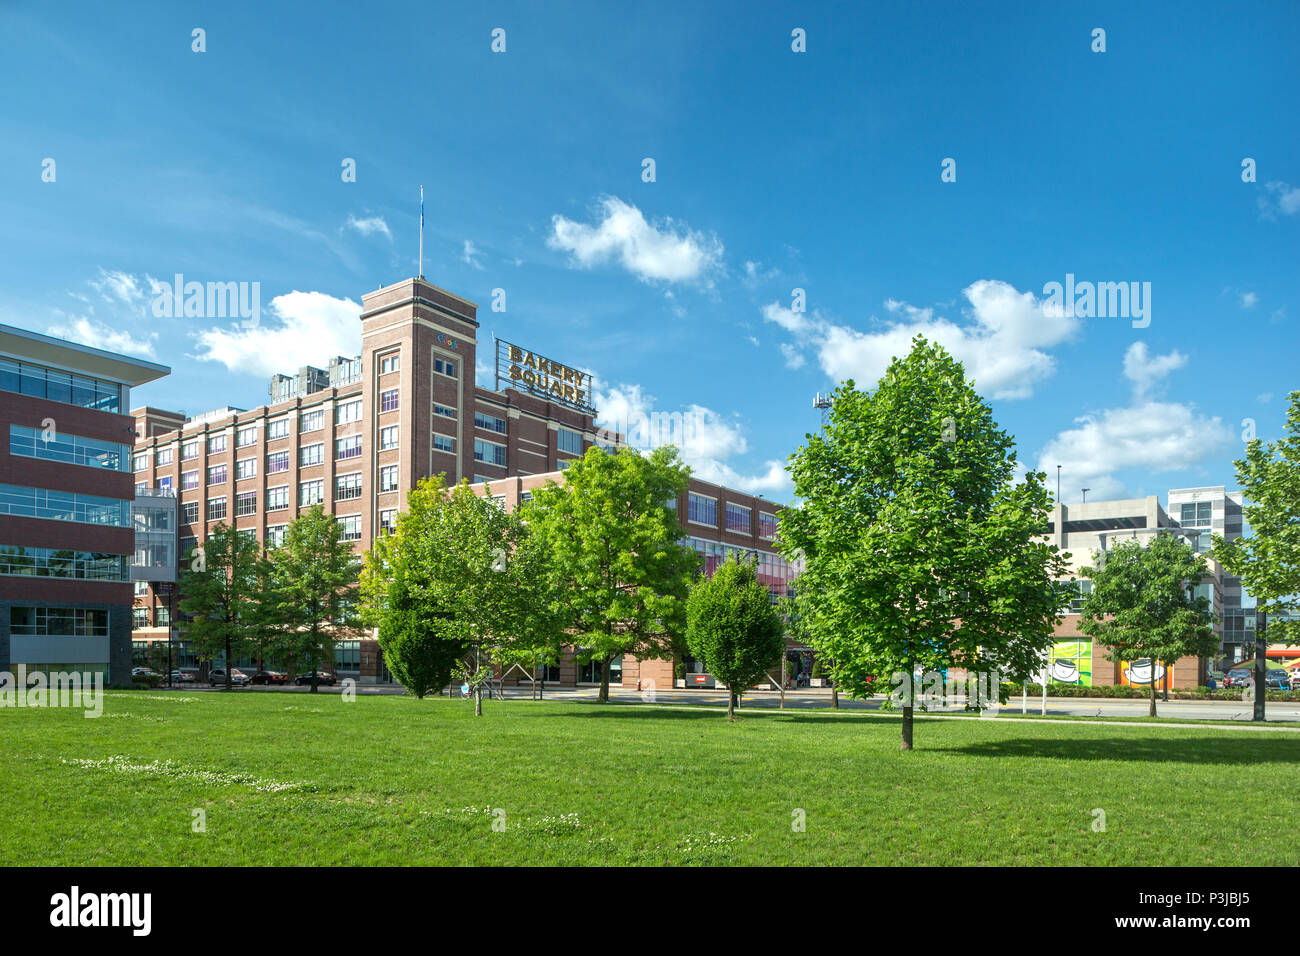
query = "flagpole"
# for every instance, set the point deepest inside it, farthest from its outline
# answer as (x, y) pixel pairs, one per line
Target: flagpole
(421, 272)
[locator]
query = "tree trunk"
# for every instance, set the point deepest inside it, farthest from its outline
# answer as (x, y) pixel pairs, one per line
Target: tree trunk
(835, 697)
(1152, 712)
(907, 728)
(731, 704)
(604, 681)
(478, 684)
(1261, 687)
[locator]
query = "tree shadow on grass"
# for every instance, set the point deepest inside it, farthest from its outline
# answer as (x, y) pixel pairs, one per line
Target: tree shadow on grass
(1244, 747)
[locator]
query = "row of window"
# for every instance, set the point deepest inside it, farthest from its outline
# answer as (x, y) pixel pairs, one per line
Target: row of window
(53, 445)
(28, 378)
(702, 509)
(58, 621)
(346, 488)
(62, 563)
(64, 506)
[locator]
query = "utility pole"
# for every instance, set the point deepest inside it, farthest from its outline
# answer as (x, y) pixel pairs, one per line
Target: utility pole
(1058, 484)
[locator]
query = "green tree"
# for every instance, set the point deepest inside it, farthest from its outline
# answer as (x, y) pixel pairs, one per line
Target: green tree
(457, 579)
(1268, 562)
(1142, 604)
(732, 626)
(616, 566)
(312, 591)
(922, 553)
(223, 595)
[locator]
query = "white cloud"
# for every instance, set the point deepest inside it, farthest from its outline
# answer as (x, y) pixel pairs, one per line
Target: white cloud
(373, 225)
(651, 252)
(306, 328)
(1148, 436)
(116, 286)
(705, 438)
(1146, 371)
(470, 254)
(1248, 300)
(1002, 345)
(793, 357)
(1279, 197)
(1264, 397)
(100, 336)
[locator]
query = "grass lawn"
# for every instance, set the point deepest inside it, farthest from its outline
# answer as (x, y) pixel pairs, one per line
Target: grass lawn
(310, 779)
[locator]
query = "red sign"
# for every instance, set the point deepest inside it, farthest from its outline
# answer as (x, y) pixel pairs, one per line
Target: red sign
(701, 678)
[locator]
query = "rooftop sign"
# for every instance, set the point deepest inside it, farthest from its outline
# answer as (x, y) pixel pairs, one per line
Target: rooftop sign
(529, 372)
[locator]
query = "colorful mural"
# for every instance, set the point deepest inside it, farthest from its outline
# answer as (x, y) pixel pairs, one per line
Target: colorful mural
(1070, 662)
(1139, 673)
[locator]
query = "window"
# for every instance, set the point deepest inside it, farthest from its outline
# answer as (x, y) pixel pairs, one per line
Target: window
(189, 480)
(141, 461)
(444, 367)
(737, 518)
(388, 478)
(216, 444)
(190, 449)
(444, 410)
(277, 499)
(345, 448)
(276, 462)
(216, 509)
(443, 443)
(701, 509)
(490, 422)
(312, 421)
(351, 527)
(278, 428)
(162, 616)
(164, 456)
(567, 440)
(389, 363)
(489, 451)
(246, 503)
(388, 400)
(1082, 590)
(348, 412)
(388, 437)
(165, 483)
(75, 450)
(64, 506)
(187, 546)
(26, 378)
(1197, 514)
(275, 535)
(347, 487)
(61, 563)
(766, 525)
(189, 512)
(216, 474)
(388, 521)
(311, 492)
(139, 617)
(311, 454)
(141, 487)
(246, 436)
(246, 468)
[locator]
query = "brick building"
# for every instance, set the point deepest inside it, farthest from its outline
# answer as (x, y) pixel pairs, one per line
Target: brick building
(357, 435)
(66, 537)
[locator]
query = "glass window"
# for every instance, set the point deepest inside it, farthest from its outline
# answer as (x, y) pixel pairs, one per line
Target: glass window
(216, 509)
(312, 421)
(348, 412)
(276, 462)
(701, 509)
(569, 441)
(216, 444)
(351, 527)
(444, 443)
(388, 400)
(246, 436)
(216, 474)
(74, 450)
(277, 499)
(346, 448)
(446, 411)
(189, 512)
(444, 367)
(388, 478)
(27, 378)
(189, 480)
(164, 456)
(277, 428)
(490, 422)
(489, 451)
(388, 437)
(389, 363)
(141, 461)
(311, 492)
(246, 503)
(311, 454)
(347, 487)
(61, 563)
(388, 521)
(275, 535)
(190, 449)
(64, 506)
(737, 518)
(766, 525)
(246, 468)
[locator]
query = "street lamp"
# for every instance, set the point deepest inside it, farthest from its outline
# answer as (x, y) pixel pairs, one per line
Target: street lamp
(1085, 494)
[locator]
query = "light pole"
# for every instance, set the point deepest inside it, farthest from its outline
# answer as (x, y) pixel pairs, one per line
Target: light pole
(1085, 495)
(1058, 484)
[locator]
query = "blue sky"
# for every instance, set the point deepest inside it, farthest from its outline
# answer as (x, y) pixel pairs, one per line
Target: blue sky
(774, 170)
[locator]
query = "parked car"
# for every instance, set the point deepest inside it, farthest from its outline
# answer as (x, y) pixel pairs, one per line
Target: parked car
(1276, 679)
(1238, 677)
(184, 677)
(321, 678)
(270, 677)
(144, 672)
(237, 677)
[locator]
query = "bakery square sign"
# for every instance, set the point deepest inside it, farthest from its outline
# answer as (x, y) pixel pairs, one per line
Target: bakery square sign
(519, 368)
